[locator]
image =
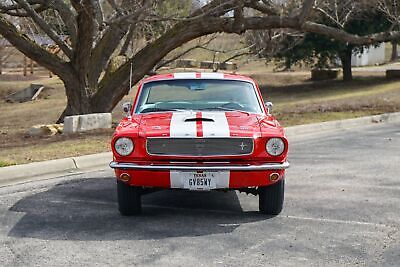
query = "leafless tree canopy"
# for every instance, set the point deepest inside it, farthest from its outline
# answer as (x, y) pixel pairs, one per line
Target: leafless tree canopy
(336, 13)
(102, 40)
(5, 52)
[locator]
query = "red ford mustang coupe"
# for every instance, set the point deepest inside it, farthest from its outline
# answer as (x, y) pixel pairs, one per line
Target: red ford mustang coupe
(199, 131)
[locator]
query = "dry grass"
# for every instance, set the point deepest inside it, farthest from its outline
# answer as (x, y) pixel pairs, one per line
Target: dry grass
(15, 117)
(23, 149)
(303, 101)
(17, 147)
(297, 101)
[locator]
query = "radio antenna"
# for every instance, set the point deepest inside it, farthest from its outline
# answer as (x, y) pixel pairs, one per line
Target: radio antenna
(130, 78)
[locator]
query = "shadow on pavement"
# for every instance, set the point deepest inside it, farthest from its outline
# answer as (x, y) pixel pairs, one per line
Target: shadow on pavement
(87, 210)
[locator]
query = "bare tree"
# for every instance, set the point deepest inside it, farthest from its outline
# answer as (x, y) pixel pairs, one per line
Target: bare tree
(340, 14)
(6, 51)
(97, 31)
(267, 44)
(392, 10)
(343, 15)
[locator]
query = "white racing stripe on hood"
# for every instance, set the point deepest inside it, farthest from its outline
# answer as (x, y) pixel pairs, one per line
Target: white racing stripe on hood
(218, 128)
(179, 128)
(185, 75)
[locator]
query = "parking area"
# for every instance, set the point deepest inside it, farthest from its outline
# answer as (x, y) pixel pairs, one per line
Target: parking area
(342, 207)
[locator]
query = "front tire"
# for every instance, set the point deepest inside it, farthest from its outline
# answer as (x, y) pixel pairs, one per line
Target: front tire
(129, 199)
(271, 198)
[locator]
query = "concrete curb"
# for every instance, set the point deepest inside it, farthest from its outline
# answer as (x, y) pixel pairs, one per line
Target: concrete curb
(94, 160)
(25, 172)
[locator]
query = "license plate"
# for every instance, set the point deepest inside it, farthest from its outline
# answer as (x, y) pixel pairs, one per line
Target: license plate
(200, 180)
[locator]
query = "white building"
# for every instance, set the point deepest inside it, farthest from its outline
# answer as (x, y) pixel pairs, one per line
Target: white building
(371, 56)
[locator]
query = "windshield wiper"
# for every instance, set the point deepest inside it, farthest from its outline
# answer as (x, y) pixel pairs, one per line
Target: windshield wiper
(227, 109)
(149, 110)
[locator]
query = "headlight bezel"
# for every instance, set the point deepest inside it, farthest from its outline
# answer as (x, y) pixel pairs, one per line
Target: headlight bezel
(271, 148)
(127, 142)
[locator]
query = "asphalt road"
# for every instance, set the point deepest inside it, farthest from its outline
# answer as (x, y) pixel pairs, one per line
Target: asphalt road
(342, 207)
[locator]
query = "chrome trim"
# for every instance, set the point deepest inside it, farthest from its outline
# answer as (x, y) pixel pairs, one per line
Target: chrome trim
(206, 167)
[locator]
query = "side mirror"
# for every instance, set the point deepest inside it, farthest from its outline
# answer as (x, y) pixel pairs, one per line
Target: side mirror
(269, 106)
(127, 107)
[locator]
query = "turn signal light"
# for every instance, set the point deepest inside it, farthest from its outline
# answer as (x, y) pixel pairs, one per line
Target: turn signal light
(125, 177)
(274, 177)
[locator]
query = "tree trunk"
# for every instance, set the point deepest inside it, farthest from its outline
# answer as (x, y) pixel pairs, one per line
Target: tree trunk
(345, 58)
(78, 96)
(395, 55)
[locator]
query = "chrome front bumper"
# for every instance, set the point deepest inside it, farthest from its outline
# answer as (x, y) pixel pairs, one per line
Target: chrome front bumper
(205, 167)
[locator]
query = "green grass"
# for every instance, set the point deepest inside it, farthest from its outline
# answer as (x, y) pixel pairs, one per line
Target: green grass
(5, 164)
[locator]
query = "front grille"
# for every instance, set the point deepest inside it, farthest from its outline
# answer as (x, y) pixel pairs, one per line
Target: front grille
(199, 146)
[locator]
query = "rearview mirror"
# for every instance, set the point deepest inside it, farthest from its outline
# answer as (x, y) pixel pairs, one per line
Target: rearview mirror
(269, 106)
(127, 107)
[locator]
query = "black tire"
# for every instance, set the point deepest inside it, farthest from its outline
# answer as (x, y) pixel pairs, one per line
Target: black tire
(271, 198)
(129, 199)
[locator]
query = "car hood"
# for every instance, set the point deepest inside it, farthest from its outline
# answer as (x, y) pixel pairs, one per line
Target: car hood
(192, 124)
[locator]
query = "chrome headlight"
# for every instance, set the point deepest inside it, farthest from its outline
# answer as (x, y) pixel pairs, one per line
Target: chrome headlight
(275, 146)
(124, 146)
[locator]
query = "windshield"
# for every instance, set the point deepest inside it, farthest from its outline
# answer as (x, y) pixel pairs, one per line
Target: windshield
(198, 94)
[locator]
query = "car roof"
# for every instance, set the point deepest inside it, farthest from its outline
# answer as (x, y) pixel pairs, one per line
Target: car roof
(198, 75)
